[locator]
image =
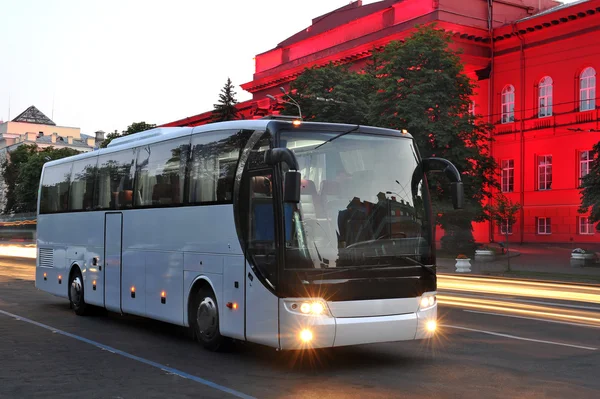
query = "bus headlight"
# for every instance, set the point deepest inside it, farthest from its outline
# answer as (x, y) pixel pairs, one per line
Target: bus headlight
(427, 301)
(309, 307)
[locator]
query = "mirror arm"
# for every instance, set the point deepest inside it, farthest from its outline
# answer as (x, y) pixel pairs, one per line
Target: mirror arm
(278, 155)
(441, 164)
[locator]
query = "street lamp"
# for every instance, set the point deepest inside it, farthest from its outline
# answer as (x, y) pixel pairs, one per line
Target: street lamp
(287, 102)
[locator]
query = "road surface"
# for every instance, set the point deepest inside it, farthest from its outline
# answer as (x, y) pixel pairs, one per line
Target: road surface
(490, 345)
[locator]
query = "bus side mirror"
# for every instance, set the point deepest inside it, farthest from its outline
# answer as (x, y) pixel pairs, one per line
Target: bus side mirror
(291, 189)
(458, 195)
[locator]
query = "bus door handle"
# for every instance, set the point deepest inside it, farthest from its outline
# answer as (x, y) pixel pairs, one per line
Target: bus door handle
(250, 276)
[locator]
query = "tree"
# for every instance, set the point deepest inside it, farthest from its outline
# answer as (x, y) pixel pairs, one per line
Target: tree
(590, 185)
(225, 109)
(423, 88)
(26, 164)
(332, 93)
(135, 127)
(503, 211)
(10, 168)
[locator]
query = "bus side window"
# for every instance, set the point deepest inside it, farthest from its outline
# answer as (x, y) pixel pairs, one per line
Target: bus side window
(160, 172)
(83, 179)
(55, 188)
(212, 167)
(114, 181)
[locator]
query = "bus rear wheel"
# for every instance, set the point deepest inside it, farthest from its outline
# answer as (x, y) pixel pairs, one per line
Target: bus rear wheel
(76, 294)
(204, 320)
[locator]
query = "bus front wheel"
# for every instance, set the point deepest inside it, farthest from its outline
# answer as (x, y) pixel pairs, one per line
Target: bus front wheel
(76, 294)
(204, 319)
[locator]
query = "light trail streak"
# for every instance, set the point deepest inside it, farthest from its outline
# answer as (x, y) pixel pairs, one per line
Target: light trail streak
(520, 288)
(18, 251)
(579, 317)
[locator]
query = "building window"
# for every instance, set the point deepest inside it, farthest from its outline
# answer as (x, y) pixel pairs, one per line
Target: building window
(585, 162)
(508, 104)
(585, 226)
(544, 226)
(506, 227)
(472, 108)
(587, 89)
(545, 97)
(545, 172)
(508, 175)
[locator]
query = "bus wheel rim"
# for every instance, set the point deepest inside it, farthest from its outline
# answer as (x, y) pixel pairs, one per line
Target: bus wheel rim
(207, 318)
(76, 290)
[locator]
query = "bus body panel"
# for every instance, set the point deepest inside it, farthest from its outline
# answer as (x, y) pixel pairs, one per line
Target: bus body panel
(113, 245)
(373, 307)
(155, 258)
(262, 316)
(232, 322)
(133, 288)
(164, 286)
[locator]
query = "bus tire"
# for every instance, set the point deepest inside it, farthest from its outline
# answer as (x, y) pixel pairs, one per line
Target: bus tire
(204, 319)
(76, 293)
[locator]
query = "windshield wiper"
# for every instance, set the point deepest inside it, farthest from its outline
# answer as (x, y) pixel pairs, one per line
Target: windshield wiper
(339, 135)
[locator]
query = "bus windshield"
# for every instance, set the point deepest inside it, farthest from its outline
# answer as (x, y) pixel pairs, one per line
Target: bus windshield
(357, 209)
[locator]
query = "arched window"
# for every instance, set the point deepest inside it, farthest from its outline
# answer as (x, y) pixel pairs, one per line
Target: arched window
(545, 97)
(508, 104)
(587, 89)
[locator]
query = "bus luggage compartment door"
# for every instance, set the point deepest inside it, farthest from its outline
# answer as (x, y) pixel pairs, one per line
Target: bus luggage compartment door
(112, 261)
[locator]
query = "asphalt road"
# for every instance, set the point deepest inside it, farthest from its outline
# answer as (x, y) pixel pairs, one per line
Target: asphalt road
(47, 351)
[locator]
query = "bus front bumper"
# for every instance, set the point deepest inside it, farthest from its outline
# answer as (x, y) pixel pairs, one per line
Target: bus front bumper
(305, 332)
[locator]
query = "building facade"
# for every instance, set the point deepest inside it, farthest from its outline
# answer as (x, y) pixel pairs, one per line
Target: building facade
(535, 63)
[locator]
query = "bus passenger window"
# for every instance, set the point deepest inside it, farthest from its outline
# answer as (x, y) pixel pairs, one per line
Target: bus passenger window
(55, 188)
(213, 162)
(160, 173)
(83, 179)
(114, 181)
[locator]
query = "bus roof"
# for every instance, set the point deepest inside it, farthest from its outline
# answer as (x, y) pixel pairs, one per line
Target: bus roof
(167, 133)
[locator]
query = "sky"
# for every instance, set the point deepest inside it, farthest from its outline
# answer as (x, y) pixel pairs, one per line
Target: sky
(104, 64)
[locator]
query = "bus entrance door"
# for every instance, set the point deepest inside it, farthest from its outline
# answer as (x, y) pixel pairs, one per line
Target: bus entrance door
(112, 261)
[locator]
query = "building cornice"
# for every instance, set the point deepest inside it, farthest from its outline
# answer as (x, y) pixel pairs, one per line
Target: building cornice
(532, 24)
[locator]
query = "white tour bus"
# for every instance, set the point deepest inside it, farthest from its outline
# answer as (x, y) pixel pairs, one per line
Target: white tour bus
(287, 234)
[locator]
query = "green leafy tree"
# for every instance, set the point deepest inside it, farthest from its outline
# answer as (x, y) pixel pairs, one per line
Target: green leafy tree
(332, 93)
(135, 127)
(590, 185)
(423, 88)
(225, 109)
(10, 168)
(502, 210)
(28, 179)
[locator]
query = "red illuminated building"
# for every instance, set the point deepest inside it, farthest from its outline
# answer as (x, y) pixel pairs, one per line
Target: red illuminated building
(535, 62)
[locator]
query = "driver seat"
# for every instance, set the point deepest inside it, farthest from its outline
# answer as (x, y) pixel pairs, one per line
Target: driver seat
(308, 199)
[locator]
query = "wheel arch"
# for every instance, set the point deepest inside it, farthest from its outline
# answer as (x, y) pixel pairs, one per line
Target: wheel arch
(72, 269)
(200, 281)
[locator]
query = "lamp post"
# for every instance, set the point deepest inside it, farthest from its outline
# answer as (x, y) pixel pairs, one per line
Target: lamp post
(287, 102)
